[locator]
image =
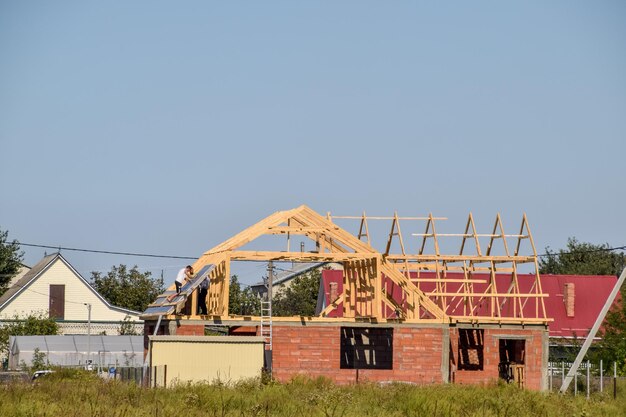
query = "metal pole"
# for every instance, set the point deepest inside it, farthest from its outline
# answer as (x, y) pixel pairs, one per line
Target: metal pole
(270, 297)
(588, 368)
(593, 331)
(614, 380)
(575, 381)
(88, 334)
(601, 376)
(270, 281)
(551, 375)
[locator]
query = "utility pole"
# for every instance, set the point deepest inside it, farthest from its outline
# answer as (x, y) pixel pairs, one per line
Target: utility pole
(270, 281)
(88, 333)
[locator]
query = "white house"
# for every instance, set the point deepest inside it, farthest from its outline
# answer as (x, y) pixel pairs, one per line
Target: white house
(56, 288)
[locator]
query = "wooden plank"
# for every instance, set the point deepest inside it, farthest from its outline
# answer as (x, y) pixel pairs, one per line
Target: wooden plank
(315, 319)
(277, 230)
(459, 258)
(486, 295)
(298, 256)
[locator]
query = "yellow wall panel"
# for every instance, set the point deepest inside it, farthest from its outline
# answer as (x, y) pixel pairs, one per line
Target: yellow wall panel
(205, 358)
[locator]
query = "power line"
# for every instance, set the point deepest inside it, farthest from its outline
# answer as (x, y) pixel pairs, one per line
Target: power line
(108, 252)
(583, 251)
(48, 295)
(195, 257)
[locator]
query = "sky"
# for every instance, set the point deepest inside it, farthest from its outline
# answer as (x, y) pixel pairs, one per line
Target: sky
(164, 127)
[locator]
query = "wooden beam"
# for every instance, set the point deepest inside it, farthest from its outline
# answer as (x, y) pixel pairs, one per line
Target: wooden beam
(485, 295)
(298, 256)
(277, 230)
(460, 258)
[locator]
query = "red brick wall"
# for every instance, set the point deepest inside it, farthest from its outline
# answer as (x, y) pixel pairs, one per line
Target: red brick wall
(190, 330)
(491, 356)
(315, 351)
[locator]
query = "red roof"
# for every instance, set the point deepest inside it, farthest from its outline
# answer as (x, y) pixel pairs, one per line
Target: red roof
(590, 294)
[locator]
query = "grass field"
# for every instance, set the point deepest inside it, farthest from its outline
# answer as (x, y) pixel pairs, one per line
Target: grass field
(79, 394)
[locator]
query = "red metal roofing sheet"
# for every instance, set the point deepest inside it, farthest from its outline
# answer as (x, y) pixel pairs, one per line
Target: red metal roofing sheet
(591, 292)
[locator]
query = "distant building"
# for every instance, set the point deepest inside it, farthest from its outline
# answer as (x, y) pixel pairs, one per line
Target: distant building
(284, 277)
(56, 288)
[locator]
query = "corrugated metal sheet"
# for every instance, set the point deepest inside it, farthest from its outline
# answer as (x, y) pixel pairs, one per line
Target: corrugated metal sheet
(205, 358)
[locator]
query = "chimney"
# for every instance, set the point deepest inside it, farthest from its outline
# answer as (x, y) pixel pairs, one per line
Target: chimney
(569, 298)
(333, 292)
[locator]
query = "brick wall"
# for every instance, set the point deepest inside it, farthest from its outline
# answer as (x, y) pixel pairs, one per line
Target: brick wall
(315, 351)
(190, 330)
(491, 356)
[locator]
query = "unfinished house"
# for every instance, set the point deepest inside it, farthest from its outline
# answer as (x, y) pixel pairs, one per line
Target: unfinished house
(413, 315)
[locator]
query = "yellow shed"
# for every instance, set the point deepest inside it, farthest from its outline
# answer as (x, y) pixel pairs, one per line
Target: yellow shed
(179, 359)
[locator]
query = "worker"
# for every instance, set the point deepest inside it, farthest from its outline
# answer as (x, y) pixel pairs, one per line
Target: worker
(184, 274)
(204, 289)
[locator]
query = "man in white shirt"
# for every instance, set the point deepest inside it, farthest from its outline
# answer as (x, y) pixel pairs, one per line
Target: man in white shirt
(183, 275)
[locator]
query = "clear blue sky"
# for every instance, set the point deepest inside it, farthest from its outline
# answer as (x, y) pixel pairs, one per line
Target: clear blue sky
(166, 127)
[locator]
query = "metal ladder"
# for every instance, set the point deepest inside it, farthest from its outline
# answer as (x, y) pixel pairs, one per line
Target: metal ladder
(266, 323)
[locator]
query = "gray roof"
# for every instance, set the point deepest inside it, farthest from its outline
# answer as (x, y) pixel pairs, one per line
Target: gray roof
(27, 278)
(298, 269)
(72, 350)
(78, 343)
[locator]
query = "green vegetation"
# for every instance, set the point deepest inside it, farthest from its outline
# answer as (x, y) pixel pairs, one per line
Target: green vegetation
(79, 394)
(127, 327)
(128, 288)
(299, 298)
(242, 301)
(580, 258)
(10, 260)
(33, 324)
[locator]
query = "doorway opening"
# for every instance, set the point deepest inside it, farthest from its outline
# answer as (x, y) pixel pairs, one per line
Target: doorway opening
(512, 357)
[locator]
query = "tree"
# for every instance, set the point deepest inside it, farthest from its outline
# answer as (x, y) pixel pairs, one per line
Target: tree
(300, 298)
(581, 258)
(243, 302)
(127, 327)
(612, 346)
(10, 260)
(126, 288)
(39, 362)
(34, 324)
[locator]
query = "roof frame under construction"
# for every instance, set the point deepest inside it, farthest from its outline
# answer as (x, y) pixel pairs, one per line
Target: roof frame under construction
(435, 287)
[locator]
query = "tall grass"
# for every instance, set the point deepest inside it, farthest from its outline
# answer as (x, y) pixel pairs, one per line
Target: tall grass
(79, 394)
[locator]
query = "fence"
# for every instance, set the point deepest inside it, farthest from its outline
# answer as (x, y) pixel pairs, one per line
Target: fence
(589, 378)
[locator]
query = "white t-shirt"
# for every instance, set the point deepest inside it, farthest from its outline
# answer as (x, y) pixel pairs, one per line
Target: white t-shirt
(181, 276)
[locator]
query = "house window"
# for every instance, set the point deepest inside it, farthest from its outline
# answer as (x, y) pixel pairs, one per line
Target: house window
(56, 307)
(366, 348)
(471, 346)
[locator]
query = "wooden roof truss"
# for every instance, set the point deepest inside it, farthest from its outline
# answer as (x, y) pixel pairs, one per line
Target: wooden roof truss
(364, 297)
